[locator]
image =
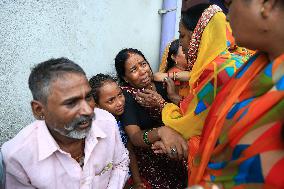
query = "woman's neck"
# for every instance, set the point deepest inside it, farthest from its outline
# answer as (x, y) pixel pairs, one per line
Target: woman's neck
(180, 67)
(274, 46)
(151, 86)
(272, 55)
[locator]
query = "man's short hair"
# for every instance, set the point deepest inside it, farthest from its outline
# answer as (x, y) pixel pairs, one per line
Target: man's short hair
(44, 73)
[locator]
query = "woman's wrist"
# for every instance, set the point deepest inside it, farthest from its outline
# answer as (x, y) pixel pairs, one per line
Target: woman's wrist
(161, 103)
(146, 138)
(159, 131)
(175, 98)
(151, 136)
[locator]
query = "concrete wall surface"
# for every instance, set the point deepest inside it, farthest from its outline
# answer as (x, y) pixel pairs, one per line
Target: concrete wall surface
(89, 32)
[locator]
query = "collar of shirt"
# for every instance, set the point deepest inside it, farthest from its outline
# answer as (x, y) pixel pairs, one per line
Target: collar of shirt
(47, 145)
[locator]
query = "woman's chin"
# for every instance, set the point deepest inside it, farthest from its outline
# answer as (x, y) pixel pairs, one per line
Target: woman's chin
(146, 84)
(119, 113)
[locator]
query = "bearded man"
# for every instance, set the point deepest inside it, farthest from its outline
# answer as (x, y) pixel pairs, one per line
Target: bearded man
(71, 144)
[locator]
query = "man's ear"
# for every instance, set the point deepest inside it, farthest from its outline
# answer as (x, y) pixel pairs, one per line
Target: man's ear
(38, 109)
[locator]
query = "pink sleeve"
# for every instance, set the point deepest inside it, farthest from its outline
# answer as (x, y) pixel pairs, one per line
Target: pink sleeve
(121, 160)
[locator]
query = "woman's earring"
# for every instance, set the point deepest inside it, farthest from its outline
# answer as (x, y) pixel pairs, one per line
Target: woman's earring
(264, 15)
(41, 117)
(262, 12)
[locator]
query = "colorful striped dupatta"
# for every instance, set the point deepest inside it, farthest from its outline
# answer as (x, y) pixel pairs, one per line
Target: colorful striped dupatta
(215, 59)
(188, 119)
(214, 64)
(241, 145)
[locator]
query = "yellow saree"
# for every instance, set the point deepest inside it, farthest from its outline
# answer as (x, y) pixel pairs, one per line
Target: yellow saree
(214, 62)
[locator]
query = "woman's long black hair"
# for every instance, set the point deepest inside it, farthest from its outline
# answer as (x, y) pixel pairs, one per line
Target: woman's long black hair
(190, 17)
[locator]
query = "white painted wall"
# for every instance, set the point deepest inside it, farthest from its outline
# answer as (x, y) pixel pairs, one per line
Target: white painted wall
(178, 16)
(89, 32)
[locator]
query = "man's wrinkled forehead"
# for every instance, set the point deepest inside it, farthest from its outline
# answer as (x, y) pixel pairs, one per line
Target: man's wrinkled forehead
(70, 83)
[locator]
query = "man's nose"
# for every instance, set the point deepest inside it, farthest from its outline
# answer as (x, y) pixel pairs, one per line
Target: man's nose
(119, 102)
(86, 108)
(142, 70)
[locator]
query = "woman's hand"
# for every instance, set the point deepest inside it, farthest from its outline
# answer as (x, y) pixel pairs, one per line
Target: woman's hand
(159, 76)
(175, 145)
(171, 90)
(150, 98)
(158, 147)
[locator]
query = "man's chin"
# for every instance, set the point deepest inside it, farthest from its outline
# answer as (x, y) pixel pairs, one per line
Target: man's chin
(79, 133)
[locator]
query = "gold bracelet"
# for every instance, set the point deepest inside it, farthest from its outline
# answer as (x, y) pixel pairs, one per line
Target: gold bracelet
(174, 76)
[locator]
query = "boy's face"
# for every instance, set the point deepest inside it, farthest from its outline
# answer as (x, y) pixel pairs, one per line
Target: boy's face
(111, 98)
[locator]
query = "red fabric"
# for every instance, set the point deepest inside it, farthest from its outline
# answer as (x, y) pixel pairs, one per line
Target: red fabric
(144, 181)
(193, 145)
(275, 175)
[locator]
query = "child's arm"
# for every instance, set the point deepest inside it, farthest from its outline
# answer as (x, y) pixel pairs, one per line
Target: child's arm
(180, 76)
(138, 184)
